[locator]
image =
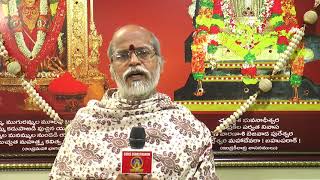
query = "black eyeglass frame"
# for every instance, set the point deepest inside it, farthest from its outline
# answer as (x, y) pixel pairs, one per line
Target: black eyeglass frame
(137, 51)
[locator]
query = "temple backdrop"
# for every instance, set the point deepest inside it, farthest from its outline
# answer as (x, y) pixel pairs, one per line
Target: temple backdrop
(169, 20)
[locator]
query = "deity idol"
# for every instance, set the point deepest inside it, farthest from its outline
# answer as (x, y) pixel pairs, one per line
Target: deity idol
(237, 42)
(33, 35)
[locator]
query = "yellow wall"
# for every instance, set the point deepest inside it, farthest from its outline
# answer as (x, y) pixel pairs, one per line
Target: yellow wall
(224, 174)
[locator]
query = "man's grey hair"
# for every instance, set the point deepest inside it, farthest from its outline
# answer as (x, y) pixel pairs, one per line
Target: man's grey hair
(154, 43)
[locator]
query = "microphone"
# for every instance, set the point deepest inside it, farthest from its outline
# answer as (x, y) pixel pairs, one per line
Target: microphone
(136, 159)
(137, 138)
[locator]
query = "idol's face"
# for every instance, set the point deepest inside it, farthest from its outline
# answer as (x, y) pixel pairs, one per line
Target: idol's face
(29, 3)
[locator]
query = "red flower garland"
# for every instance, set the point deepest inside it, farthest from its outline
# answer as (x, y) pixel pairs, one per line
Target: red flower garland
(214, 29)
(276, 8)
(217, 7)
(197, 63)
(282, 27)
(213, 42)
(202, 28)
(283, 40)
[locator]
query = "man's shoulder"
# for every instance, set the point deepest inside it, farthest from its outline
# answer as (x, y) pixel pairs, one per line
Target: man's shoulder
(91, 108)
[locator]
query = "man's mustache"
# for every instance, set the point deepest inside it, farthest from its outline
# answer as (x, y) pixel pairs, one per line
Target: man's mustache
(136, 70)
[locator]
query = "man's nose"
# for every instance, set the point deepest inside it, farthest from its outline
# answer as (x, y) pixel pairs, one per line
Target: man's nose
(134, 60)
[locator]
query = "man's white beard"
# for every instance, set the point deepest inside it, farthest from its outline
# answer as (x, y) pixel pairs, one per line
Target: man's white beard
(137, 90)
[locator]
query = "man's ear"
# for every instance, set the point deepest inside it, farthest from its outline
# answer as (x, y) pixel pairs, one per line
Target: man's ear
(111, 71)
(161, 65)
(161, 68)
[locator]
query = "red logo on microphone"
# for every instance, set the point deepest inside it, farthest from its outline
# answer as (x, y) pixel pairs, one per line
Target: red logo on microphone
(136, 162)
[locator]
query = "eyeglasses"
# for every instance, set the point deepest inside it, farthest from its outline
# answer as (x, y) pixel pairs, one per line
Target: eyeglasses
(142, 53)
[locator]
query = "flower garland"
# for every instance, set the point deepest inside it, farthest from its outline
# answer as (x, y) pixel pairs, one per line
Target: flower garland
(30, 66)
(192, 9)
(3, 52)
(227, 14)
(209, 21)
(285, 32)
(277, 22)
(265, 14)
(60, 43)
(16, 24)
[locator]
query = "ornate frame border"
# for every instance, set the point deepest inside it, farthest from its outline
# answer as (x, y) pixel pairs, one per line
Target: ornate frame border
(267, 159)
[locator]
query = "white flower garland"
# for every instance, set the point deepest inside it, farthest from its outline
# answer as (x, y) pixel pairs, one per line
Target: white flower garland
(41, 35)
(60, 43)
(44, 106)
(3, 51)
(227, 13)
(265, 13)
(192, 9)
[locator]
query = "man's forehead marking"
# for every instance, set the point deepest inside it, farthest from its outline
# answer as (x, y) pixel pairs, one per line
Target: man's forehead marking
(131, 47)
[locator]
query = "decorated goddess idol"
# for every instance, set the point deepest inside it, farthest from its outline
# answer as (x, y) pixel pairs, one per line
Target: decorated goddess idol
(237, 43)
(32, 38)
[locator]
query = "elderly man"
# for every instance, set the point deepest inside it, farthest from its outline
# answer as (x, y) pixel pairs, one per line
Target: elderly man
(181, 144)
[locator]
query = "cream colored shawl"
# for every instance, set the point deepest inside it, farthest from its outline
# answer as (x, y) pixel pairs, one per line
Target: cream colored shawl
(91, 150)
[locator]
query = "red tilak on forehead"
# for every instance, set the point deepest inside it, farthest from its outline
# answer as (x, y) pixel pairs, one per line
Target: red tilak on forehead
(131, 47)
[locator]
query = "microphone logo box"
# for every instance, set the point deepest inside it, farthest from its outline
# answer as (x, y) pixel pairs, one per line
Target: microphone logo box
(136, 162)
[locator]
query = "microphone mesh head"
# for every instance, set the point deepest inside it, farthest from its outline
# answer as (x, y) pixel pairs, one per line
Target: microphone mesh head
(137, 137)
